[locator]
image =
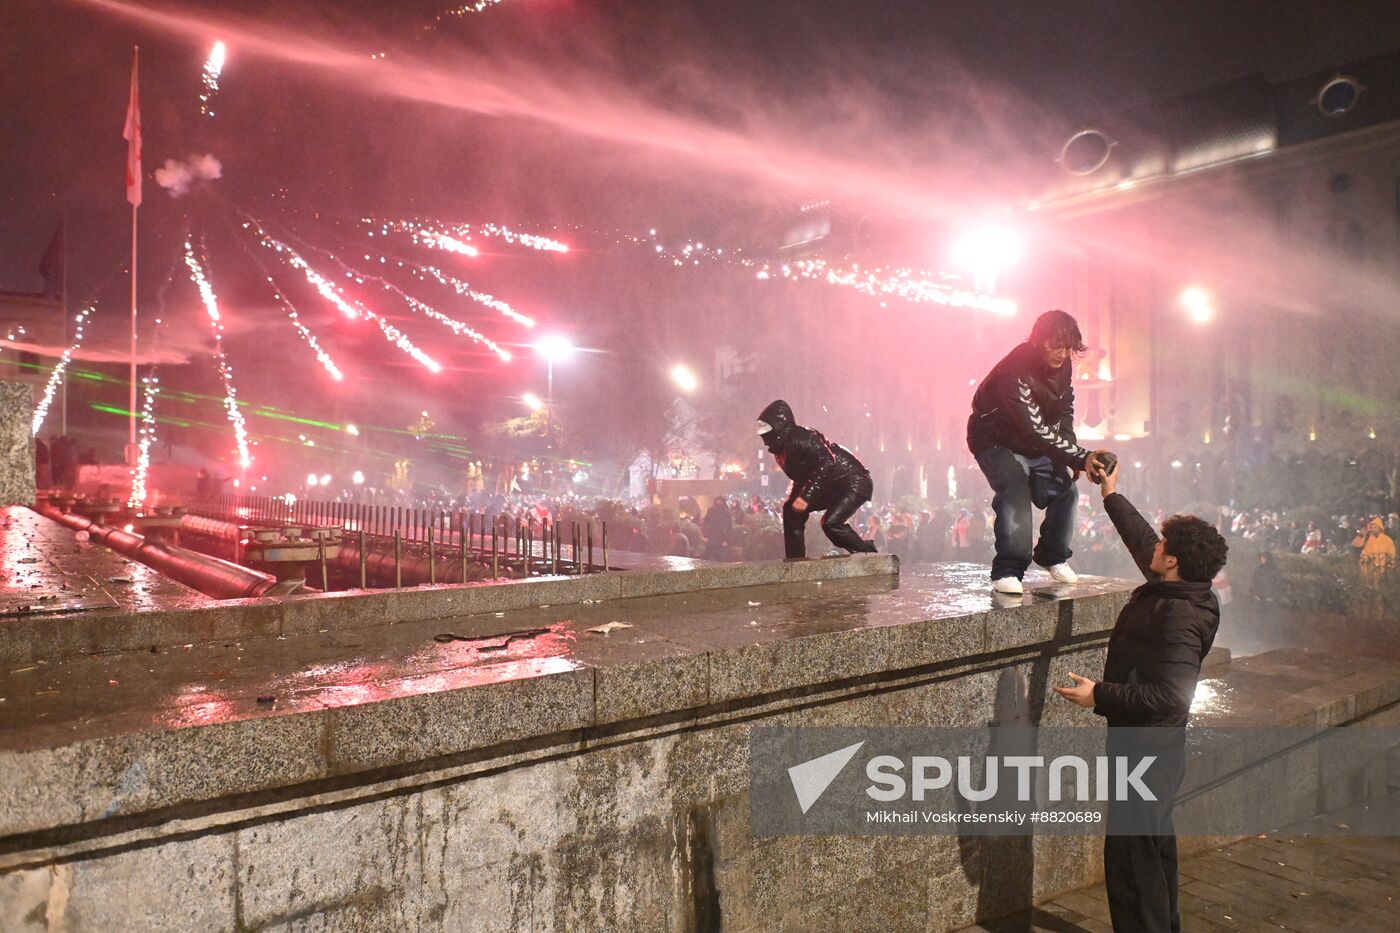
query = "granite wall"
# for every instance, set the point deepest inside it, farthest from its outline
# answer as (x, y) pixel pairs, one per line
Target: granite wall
(640, 825)
(16, 444)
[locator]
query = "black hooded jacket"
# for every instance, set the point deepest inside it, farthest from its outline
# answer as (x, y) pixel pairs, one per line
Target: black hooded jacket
(816, 466)
(1027, 408)
(1160, 639)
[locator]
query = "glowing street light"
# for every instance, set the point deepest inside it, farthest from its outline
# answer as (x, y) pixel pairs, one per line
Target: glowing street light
(358, 478)
(325, 479)
(312, 479)
(352, 430)
(684, 378)
(1198, 303)
(532, 401)
(987, 252)
(552, 347)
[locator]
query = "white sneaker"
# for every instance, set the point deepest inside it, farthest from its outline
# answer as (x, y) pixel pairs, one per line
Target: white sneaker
(1063, 573)
(1007, 585)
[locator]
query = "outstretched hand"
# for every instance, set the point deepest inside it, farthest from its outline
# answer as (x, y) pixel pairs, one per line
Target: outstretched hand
(1096, 465)
(1109, 484)
(1081, 694)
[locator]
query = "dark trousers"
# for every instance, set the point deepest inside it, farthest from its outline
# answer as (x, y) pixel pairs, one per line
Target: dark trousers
(840, 504)
(1018, 484)
(1140, 875)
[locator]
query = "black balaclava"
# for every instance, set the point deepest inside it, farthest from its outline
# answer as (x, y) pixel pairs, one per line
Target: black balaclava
(774, 424)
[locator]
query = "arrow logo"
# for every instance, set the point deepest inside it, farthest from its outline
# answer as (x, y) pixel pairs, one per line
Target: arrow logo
(811, 778)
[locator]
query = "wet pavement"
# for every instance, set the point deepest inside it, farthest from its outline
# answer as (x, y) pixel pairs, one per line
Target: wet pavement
(1320, 877)
(46, 704)
(45, 569)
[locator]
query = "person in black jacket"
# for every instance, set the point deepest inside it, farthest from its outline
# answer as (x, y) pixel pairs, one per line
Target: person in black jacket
(825, 477)
(1149, 679)
(1021, 432)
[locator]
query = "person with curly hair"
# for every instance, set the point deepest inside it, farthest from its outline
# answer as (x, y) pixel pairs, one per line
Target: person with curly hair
(1021, 432)
(1149, 679)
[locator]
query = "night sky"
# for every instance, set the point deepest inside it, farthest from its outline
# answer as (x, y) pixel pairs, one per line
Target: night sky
(962, 100)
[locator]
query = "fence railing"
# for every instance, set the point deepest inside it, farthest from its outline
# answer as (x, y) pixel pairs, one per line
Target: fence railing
(539, 546)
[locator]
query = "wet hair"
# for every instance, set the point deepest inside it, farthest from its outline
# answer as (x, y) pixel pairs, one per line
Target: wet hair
(1059, 329)
(1198, 548)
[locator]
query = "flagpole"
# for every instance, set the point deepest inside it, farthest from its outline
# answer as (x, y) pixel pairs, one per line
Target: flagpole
(135, 205)
(131, 431)
(63, 284)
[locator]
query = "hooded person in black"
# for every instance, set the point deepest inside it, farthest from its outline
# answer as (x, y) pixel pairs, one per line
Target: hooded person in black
(1021, 432)
(826, 477)
(1149, 679)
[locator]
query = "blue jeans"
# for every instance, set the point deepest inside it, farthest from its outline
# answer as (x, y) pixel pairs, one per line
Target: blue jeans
(1018, 484)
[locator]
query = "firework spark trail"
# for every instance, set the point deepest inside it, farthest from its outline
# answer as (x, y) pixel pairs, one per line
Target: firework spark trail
(532, 240)
(302, 330)
(305, 332)
(212, 69)
(325, 286)
(456, 234)
(211, 306)
(420, 270)
(475, 6)
(882, 282)
(150, 388)
(599, 110)
(464, 289)
(351, 308)
(436, 239)
(41, 410)
(459, 327)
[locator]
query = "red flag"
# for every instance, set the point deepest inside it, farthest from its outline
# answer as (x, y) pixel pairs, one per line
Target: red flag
(132, 134)
(51, 266)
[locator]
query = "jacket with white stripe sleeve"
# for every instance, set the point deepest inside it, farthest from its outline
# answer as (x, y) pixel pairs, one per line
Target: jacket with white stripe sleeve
(1028, 408)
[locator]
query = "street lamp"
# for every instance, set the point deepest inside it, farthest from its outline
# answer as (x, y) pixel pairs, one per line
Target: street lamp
(532, 401)
(552, 347)
(684, 378)
(987, 252)
(1198, 303)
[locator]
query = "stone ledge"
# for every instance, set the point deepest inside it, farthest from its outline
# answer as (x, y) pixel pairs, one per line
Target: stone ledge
(553, 702)
(24, 640)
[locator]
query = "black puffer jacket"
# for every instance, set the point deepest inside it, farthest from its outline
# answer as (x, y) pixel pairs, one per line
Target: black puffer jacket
(1160, 640)
(1027, 408)
(818, 468)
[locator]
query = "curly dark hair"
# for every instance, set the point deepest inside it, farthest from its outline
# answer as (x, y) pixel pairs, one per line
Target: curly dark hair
(1058, 328)
(1198, 548)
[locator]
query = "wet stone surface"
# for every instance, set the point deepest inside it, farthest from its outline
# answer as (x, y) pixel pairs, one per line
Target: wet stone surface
(670, 644)
(45, 569)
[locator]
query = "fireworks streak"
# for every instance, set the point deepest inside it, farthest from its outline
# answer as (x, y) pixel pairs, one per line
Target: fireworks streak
(534, 241)
(436, 239)
(457, 326)
(400, 340)
(454, 237)
(475, 6)
(325, 286)
(42, 409)
(211, 306)
(150, 388)
(882, 282)
(212, 68)
(464, 289)
(349, 307)
(305, 332)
